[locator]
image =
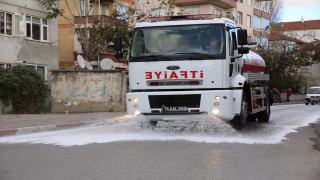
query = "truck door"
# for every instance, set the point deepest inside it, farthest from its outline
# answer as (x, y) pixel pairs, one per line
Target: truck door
(234, 67)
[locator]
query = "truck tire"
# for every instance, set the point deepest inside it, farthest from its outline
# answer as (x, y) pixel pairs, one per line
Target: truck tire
(264, 116)
(306, 103)
(153, 123)
(240, 122)
(147, 124)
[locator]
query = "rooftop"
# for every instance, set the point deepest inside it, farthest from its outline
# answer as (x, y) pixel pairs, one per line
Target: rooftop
(298, 25)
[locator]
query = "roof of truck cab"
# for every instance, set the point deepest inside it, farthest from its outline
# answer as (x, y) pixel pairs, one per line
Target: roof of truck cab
(185, 22)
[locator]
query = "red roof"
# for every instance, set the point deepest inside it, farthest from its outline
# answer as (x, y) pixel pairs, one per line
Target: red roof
(298, 25)
(278, 36)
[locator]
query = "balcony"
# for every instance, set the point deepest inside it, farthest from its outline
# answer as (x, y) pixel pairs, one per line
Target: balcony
(226, 4)
(82, 19)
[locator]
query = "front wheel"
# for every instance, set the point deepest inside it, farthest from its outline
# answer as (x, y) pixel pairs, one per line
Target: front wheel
(306, 103)
(239, 122)
(312, 103)
(153, 123)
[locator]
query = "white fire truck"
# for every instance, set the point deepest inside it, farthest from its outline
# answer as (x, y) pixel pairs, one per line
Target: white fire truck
(194, 64)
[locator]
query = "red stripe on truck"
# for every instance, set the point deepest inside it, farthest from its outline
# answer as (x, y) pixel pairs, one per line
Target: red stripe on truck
(253, 68)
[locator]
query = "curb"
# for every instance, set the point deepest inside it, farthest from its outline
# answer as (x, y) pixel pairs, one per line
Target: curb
(288, 103)
(33, 129)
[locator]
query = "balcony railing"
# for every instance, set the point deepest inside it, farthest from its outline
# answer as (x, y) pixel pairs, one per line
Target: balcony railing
(226, 4)
(82, 19)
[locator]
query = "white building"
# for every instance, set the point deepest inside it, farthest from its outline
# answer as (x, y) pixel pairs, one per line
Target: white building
(308, 31)
(26, 37)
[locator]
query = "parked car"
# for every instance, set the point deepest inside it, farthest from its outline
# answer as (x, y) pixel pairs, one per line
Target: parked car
(313, 95)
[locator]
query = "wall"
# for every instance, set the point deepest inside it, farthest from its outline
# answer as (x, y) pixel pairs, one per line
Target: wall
(88, 91)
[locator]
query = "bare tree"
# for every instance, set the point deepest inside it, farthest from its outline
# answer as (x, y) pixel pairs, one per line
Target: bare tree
(273, 7)
(95, 32)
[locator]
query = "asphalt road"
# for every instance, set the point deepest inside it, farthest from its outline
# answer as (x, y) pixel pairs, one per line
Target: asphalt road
(285, 149)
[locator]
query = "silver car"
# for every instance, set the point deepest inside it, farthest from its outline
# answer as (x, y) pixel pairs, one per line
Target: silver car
(313, 95)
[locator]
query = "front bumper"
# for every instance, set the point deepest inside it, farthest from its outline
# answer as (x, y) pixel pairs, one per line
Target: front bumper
(315, 99)
(198, 102)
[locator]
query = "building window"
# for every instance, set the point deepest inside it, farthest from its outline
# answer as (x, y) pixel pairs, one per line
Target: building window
(105, 9)
(82, 8)
(37, 28)
(264, 23)
(5, 66)
(249, 2)
(192, 10)
(5, 23)
(41, 69)
(217, 12)
(239, 17)
(257, 23)
(138, 13)
(158, 11)
(248, 21)
(312, 34)
(123, 11)
(91, 8)
(241, 1)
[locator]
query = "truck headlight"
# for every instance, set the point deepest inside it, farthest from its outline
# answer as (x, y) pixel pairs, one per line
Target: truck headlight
(136, 106)
(135, 100)
(136, 112)
(216, 104)
(215, 111)
(217, 98)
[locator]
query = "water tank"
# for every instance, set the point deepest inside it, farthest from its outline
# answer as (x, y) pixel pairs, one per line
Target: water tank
(253, 63)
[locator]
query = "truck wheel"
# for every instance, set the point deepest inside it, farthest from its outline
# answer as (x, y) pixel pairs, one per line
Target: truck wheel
(264, 116)
(153, 123)
(312, 103)
(306, 103)
(147, 124)
(239, 122)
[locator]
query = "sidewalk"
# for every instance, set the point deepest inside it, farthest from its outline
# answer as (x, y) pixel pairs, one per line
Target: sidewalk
(11, 124)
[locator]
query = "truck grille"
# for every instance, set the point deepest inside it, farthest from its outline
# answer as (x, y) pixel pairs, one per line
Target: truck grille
(191, 101)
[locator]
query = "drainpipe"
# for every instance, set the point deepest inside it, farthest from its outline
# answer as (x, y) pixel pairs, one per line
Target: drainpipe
(99, 44)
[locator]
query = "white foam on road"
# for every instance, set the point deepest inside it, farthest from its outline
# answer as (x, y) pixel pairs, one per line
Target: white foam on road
(283, 120)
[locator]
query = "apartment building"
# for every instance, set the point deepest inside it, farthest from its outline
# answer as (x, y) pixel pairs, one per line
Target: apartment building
(69, 46)
(245, 12)
(26, 37)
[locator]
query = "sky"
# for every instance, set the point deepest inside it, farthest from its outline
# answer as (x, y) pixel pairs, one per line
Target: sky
(293, 10)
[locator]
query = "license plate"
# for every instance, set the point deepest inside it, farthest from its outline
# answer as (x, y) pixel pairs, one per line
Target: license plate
(175, 108)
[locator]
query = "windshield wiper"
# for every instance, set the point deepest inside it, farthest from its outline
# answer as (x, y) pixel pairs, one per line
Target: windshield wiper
(157, 57)
(208, 55)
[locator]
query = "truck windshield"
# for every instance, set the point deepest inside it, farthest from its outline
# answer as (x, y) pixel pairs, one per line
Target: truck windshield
(207, 40)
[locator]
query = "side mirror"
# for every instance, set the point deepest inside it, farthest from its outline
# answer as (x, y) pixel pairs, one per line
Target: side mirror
(242, 37)
(118, 47)
(118, 43)
(243, 50)
(119, 55)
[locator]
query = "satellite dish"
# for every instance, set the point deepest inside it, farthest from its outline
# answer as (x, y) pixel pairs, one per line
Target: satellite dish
(107, 64)
(88, 65)
(80, 61)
